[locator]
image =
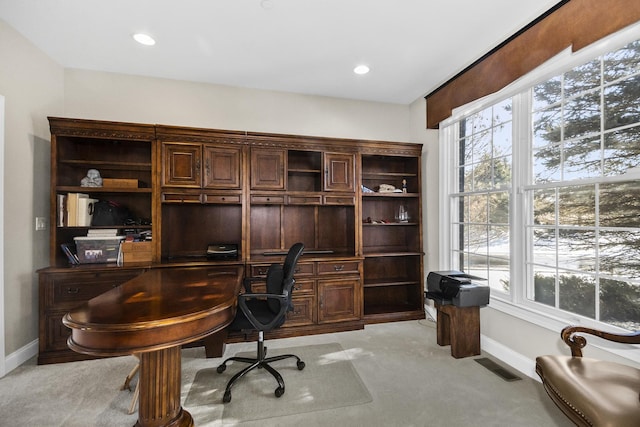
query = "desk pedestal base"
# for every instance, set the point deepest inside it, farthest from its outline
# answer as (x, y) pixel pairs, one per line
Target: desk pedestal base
(460, 327)
(160, 383)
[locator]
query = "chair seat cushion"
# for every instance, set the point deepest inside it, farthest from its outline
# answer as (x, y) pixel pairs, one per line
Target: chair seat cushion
(592, 392)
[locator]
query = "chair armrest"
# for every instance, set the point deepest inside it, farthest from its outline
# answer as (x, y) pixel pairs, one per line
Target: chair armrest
(284, 306)
(577, 342)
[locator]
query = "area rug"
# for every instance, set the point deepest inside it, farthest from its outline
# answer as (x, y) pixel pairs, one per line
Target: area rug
(328, 381)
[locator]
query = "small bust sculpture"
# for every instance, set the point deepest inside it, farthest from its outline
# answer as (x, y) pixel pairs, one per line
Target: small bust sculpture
(92, 179)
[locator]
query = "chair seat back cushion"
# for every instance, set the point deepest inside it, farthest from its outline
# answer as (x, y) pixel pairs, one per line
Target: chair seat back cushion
(600, 393)
(275, 278)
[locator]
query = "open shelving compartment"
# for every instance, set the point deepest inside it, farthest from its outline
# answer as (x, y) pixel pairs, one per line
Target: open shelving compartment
(392, 244)
(118, 152)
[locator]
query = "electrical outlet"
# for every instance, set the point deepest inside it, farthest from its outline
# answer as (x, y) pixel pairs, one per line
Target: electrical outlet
(41, 223)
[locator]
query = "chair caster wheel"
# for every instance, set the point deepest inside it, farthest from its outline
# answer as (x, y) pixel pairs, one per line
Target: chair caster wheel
(301, 365)
(227, 397)
(279, 391)
(221, 368)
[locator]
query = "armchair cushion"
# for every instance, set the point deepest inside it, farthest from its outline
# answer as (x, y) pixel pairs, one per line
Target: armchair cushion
(592, 392)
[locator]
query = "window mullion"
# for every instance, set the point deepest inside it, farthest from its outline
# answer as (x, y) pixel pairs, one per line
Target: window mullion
(520, 200)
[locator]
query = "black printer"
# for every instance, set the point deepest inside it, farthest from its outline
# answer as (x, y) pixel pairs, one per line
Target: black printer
(457, 288)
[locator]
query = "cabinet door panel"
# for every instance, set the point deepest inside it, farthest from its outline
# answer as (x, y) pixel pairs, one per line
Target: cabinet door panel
(221, 168)
(267, 169)
(339, 300)
(181, 165)
(265, 228)
(56, 333)
(339, 172)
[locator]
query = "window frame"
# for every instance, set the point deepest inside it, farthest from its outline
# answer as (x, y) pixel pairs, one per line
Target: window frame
(515, 302)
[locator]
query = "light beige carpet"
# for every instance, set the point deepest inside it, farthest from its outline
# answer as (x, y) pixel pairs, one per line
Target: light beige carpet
(328, 381)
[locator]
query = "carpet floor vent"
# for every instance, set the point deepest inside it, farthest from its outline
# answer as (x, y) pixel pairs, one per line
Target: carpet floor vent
(497, 369)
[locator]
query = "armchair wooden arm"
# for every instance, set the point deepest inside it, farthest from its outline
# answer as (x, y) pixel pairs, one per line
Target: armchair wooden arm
(578, 342)
(591, 392)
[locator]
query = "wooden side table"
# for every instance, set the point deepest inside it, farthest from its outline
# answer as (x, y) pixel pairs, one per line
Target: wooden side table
(460, 328)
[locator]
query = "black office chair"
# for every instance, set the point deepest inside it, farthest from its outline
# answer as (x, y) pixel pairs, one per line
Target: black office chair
(264, 312)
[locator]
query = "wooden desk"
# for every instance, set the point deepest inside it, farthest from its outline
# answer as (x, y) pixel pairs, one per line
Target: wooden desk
(152, 315)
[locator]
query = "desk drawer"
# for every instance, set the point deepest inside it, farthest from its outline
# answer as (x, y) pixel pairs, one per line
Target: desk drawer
(340, 200)
(300, 271)
(303, 312)
(305, 200)
(70, 290)
(267, 200)
(302, 286)
(338, 267)
(181, 198)
(219, 198)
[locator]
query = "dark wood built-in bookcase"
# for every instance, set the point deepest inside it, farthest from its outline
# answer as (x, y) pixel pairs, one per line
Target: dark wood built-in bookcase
(263, 192)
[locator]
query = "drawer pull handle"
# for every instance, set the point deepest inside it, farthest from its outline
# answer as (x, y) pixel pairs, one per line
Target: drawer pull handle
(338, 267)
(73, 290)
(262, 272)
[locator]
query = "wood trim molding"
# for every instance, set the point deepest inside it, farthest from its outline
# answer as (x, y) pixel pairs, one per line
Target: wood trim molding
(571, 23)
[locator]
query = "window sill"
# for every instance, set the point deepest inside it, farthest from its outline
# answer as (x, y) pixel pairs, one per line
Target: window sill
(555, 324)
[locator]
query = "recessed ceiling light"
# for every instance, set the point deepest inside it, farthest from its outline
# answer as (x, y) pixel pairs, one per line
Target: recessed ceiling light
(361, 69)
(144, 39)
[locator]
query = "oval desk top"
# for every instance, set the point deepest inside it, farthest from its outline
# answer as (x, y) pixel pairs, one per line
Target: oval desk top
(161, 308)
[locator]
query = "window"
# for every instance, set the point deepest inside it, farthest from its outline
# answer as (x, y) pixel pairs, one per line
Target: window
(484, 182)
(543, 187)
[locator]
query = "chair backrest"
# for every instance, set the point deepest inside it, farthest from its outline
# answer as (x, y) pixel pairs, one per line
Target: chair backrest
(291, 260)
(280, 277)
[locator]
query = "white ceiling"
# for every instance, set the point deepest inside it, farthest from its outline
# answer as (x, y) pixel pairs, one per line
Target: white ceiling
(300, 46)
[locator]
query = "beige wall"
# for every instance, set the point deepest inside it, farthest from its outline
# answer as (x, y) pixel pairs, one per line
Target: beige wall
(108, 96)
(33, 88)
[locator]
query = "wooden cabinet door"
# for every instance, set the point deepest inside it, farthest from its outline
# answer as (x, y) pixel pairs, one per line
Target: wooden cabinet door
(339, 172)
(339, 300)
(181, 165)
(267, 169)
(221, 167)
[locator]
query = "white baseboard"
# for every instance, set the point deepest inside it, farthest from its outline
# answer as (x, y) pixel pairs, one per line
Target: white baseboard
(510, 357)
(20, 356)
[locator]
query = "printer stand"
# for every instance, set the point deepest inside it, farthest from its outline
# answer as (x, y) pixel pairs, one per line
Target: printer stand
(460, 328)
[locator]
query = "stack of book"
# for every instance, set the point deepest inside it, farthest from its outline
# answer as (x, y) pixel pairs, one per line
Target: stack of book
(102, 232)
(75, 210)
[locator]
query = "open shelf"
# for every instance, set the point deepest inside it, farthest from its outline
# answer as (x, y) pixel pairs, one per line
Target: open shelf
(94, 190)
